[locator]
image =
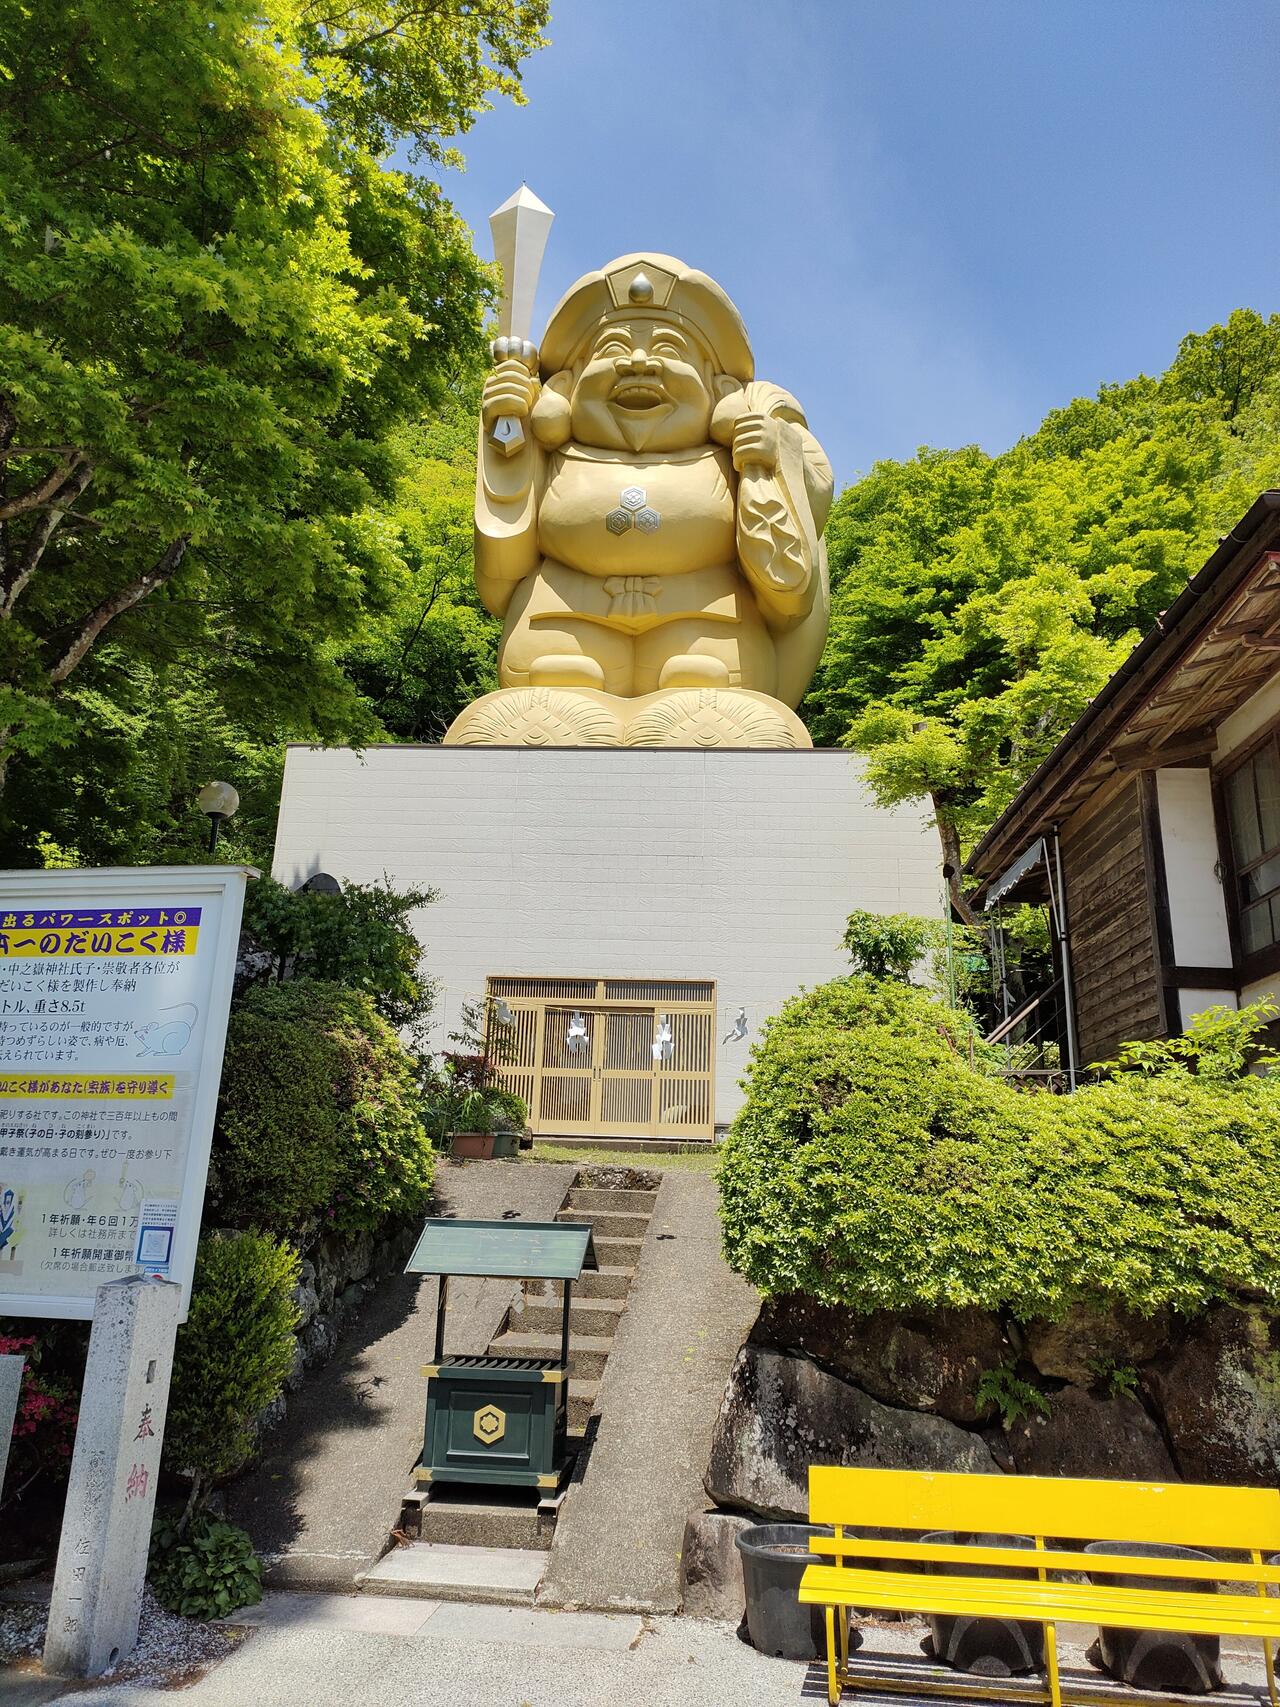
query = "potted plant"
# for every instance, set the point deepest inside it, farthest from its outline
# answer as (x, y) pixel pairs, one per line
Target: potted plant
(468, 1114)
(486, 1121)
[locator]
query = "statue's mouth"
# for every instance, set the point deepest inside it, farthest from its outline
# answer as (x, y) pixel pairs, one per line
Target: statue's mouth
(638, 394)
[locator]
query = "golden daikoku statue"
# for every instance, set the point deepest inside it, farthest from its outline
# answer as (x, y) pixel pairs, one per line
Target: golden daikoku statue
(648, 524)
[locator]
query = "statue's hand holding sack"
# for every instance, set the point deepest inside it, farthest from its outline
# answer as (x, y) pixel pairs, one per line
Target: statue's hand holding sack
(778, 532)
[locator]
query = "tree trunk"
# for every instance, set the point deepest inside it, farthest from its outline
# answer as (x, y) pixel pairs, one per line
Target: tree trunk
(953, 868)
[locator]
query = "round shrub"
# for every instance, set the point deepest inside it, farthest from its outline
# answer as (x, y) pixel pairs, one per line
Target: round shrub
(320, 1114)
(233, 1352)
(873, 1166)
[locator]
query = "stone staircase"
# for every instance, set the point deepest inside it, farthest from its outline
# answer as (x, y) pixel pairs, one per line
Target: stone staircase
(618, 1218)
(456, 1519)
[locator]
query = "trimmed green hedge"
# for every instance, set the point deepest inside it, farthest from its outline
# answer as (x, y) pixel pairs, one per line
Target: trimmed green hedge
(320, 1115)
(873, 1166)
(233, 1353)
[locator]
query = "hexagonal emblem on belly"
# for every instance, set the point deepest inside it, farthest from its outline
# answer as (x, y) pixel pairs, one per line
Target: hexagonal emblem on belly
(489, 1424)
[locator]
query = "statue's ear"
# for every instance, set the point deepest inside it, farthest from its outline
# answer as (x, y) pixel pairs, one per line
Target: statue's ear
(551, 414)
(731, 401)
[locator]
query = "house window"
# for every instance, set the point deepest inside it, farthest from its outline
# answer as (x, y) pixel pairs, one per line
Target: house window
(1253, 808)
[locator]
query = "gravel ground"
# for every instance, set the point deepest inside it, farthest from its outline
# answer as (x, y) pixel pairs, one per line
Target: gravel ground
(170, 1649)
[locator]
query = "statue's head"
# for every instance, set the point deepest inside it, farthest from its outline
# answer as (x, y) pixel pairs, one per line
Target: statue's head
(638, 355)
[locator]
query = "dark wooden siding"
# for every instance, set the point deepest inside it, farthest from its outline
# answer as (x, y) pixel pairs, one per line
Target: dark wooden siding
(1113, 938)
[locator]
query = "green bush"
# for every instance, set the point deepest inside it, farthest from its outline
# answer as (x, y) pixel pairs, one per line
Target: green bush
(360, 937)
(873, 1166)
(320, 1114)
(233, 1353)
(207, 1571)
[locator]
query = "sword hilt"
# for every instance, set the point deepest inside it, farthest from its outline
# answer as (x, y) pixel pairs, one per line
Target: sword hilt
(507, 432)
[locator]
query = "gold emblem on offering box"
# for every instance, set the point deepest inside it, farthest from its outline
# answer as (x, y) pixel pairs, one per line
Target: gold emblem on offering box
(490, 1424)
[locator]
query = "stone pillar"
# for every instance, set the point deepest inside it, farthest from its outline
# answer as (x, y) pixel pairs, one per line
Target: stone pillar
(106, 1529)
(10, 1386)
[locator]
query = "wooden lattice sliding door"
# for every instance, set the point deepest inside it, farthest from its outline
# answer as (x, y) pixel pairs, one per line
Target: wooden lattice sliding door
(580, 1051)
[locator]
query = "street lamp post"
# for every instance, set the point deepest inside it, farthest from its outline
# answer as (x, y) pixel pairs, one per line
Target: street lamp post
(219, 801)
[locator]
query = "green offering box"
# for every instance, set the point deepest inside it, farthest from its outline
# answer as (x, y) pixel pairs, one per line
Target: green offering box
(495, 1420)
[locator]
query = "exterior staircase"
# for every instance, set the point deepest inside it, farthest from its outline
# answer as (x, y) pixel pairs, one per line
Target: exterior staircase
(456, 1520)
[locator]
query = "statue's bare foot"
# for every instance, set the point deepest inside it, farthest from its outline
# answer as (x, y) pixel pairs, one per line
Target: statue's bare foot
(566, 670)
(691, 671)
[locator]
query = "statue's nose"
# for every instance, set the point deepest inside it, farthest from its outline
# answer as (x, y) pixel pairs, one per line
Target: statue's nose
(639, 361)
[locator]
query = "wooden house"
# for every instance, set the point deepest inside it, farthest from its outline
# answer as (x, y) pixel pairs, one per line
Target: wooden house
(1153, 828)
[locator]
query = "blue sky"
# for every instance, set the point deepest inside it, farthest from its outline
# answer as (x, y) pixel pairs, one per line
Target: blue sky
(939, 219)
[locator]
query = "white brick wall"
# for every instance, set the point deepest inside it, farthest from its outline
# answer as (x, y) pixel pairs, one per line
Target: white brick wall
(735, 866)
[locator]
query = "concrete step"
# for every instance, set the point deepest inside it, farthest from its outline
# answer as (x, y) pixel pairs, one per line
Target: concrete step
(462, 1517)
(593, 1197)
(617, 1253)
(434, 1570)
(623, 1148)
(591, 1283)
(607, 1223)
(582, 1401)
(587, 1354)
(604, 1283)
(586, 1316)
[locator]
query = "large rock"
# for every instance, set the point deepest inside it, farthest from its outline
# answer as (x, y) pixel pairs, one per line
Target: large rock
(711, 1583)
(929, 1363)
(1088, 1436)
(1220, 1398)
(1085, 1344)
(781, 1414)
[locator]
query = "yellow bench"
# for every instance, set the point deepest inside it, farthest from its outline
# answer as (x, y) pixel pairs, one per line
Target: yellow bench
(1047, 1508)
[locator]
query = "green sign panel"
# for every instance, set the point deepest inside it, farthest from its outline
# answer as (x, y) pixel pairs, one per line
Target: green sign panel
(527, 1250)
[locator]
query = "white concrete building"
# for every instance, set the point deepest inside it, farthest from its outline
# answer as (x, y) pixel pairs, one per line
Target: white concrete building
(626, 887)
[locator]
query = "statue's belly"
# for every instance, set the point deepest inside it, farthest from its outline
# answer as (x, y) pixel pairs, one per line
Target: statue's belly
(637, 518)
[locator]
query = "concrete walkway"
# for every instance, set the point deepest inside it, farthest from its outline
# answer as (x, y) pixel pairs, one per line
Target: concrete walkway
(338, 1651)
(321, 1500)
(319, 1650)
(617, 1545)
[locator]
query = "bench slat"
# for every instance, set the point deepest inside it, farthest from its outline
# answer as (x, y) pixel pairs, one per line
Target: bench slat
(1053, 1559)
(997, 1597)
(1196, 1515)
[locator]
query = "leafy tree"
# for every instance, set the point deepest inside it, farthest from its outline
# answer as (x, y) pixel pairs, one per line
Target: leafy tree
(219, 305)
(980, 602)
(888, 945)
(435, 649)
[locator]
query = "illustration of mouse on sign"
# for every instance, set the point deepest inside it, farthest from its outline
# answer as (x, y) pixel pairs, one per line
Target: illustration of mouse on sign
(168, 1036)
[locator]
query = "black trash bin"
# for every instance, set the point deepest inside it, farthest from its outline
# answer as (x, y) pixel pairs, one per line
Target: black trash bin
(1156, 1659)
(989, 1647)
(774, 1556)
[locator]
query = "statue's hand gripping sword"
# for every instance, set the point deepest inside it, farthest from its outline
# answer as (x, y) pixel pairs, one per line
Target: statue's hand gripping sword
(520, 228)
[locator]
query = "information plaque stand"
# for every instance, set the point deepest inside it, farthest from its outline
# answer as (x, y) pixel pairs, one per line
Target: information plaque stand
(498, 1421)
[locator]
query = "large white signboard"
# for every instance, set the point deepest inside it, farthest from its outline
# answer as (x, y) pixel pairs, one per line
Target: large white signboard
(114, 991)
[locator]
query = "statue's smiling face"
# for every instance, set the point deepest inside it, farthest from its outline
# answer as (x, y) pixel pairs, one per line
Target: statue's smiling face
(645, 384)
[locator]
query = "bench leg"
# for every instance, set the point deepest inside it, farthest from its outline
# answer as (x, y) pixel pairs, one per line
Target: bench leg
(842, 1613)
(833, 1674)
(1051, 1664)
(1271, 1671)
